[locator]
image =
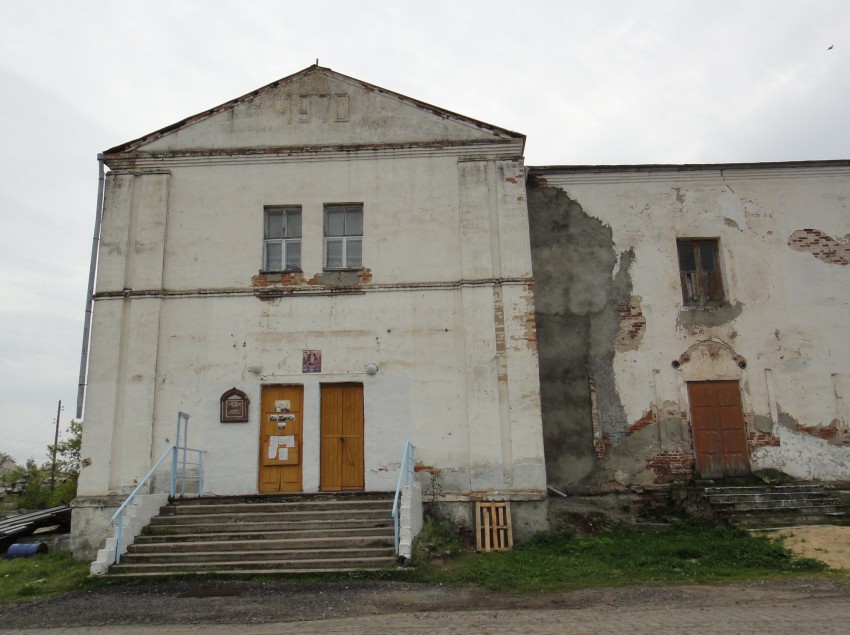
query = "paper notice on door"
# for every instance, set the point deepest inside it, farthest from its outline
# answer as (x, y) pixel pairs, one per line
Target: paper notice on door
(273, 443)
(283, 454)
(288, 441)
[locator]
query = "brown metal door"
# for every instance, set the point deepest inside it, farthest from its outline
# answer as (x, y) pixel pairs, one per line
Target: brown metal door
(720, 437)
(280, 440)
(342, 437)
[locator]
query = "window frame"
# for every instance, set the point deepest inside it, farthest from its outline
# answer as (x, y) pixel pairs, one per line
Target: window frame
(345, 238)
(701, 288)
(285, 240)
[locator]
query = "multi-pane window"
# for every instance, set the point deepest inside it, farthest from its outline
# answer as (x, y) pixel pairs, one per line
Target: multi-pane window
(282, 250)
(343, 236)
(699, 268)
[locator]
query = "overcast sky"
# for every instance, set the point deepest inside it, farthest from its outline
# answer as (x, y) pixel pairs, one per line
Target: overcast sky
(590, 82)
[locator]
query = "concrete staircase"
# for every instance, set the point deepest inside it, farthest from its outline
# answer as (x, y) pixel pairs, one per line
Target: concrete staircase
(314, 533)
(776, 505)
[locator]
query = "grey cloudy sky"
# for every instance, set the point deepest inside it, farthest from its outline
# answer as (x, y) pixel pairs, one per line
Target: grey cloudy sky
(589, 82)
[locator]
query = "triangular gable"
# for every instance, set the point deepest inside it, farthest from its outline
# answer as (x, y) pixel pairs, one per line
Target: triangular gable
(317, 107)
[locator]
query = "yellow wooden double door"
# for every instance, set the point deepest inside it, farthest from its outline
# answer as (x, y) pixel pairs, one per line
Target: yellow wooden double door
(341, 434)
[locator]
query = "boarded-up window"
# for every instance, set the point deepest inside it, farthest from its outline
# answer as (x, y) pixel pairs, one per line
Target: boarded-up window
(699, 268)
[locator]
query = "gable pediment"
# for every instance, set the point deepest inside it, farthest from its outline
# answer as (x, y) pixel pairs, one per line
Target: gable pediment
(317, 107)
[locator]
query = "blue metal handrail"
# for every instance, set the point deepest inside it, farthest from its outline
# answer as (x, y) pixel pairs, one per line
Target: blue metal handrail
(173, 450)
(405, 474)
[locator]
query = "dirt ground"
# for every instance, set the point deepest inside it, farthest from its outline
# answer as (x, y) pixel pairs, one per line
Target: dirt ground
(230, 601)
(828, 543)
(192, 602)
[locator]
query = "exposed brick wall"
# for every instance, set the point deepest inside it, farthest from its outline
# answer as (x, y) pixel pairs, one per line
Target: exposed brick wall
(601, 447)
(761, 440)
(821, 432)
(285, 279)
(672, 466)
(647, 419)
(821, 246)
(632, 325)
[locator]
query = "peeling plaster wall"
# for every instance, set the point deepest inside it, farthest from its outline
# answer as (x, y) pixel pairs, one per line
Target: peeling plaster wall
(781, 332)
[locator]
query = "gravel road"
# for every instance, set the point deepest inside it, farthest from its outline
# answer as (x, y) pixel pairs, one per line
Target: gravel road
(223, 602)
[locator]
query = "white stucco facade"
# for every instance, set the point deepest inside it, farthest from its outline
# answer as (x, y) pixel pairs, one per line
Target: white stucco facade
(442, 305)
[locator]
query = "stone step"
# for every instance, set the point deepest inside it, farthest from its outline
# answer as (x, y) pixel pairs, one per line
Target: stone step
(773, 504)
(776, 518)
(262, 545)
(216, 534)
(762, 488)
(762, 521)
(301, 571)
(324, 497)
(811, 510)
(258, 565)
(333, 506)
(313, 555)
(778, 502)
(157, 529)
(736, 496)
(251, 516)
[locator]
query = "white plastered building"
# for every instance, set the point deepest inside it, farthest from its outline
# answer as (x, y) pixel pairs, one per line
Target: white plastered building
(327, 247)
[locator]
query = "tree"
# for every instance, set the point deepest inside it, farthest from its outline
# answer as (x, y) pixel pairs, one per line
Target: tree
(68, 450)
(67, 463)
(36, 494)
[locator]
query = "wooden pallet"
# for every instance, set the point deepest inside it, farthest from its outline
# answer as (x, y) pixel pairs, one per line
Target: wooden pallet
(493, 527)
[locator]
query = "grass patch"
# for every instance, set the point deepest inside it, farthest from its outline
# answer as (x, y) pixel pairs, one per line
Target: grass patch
(25, 579)
(685, 552)
(435, 542)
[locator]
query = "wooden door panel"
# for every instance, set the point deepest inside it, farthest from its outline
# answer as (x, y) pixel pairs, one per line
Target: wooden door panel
(342, 466)
(719, 431)
(280, 469)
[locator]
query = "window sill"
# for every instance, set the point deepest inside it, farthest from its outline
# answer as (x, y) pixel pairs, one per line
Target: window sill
(708, 306)
(343, 268)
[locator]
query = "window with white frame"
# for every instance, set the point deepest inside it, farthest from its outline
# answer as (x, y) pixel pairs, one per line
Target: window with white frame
(344, 236)
(282, 248)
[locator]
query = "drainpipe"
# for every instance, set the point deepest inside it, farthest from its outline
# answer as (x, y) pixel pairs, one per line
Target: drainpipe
(84, 356)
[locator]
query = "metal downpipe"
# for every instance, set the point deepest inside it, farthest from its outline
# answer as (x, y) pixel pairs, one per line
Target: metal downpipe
(84, 355)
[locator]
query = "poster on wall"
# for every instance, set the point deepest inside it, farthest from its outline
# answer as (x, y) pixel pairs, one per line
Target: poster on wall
(311, 362)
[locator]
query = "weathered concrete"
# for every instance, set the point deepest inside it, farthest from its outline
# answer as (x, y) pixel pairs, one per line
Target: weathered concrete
(577, 319)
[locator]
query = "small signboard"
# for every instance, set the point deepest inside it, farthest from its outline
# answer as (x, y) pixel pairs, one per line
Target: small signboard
(234, 406)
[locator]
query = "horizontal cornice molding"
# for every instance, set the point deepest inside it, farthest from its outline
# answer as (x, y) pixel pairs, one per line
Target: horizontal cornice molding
(245, 156)
(566, 175)
(281, 291)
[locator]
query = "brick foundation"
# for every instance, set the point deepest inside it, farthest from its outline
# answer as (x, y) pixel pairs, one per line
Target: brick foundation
(672, 466)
